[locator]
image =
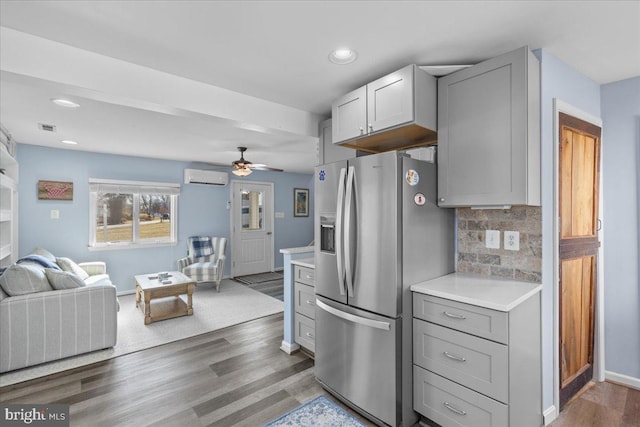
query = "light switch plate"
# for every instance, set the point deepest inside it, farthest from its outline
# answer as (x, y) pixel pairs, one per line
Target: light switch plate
(512, 240)
(55, 214)
(492, 239)
(279, 214)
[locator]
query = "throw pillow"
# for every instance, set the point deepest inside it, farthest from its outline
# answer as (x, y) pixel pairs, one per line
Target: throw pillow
(60, 280)
(45, 253)
(68, 265)
(201, 246)
(26, 278)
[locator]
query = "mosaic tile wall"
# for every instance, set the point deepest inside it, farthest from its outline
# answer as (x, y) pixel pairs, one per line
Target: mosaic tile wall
(474, 257)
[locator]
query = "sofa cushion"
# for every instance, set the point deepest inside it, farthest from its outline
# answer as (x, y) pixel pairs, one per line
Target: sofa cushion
(98, 279)
(25, 278)
(45, 253)
(60, 280)
(68, 265)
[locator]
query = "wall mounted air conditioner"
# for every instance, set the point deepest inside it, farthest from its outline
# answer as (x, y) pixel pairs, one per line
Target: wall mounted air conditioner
(198, 176)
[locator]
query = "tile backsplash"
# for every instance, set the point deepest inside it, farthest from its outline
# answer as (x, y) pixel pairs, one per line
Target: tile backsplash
(474, 257)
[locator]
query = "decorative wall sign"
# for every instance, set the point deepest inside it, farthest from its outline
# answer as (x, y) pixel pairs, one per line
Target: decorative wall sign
(55, 190)
(300, 202)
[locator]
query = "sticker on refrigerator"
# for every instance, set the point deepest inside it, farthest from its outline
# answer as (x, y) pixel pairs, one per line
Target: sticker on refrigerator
(321, 175)
(419, 199)
(412, 177)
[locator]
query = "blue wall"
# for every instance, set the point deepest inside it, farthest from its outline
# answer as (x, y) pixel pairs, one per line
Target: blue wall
(621, 176)
(202, 209)
(562, 82)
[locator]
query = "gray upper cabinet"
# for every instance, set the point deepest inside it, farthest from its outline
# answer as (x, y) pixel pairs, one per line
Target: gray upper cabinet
(489, 133)
(397, 111)
(327, 150)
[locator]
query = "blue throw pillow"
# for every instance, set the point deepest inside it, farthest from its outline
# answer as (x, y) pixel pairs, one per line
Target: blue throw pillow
(40, 260)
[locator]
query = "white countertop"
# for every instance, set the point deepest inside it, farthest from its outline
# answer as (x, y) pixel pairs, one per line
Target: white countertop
(489, 292)
(305, 262)
(297, 250)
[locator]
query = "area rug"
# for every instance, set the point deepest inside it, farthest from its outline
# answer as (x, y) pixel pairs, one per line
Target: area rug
(259, 278)
(234, 304)
(319, 412)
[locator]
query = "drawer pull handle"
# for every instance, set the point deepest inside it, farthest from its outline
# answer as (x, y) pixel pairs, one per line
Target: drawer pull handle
(309, 334)
(454, 357)
(309, 302)
(454, 409)
(453, 316)
(309, 277)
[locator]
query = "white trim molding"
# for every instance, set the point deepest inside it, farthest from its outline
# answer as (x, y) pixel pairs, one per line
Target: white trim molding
(288, 347)
(622, 379)
(549, 415)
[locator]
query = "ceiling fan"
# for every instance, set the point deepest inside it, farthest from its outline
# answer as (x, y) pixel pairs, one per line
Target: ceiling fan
(242, 167)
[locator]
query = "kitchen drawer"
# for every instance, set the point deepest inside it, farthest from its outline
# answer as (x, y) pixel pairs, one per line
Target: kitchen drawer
(477, 363)
(305, 297)
(450, 404)
(475, 320)
(305, 332)
(304, 275)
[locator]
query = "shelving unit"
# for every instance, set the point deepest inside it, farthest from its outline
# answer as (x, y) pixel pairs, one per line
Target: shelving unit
(8, 208)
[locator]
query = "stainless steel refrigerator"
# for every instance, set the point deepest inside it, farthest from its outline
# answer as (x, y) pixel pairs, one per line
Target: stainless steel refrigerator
(378, 231)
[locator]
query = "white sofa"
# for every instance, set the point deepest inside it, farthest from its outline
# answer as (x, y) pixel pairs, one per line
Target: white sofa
(47, 315)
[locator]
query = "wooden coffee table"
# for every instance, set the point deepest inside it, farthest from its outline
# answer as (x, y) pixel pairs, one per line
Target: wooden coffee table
(168, 303)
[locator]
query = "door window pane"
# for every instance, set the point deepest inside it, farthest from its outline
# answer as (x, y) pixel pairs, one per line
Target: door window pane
(252, 205)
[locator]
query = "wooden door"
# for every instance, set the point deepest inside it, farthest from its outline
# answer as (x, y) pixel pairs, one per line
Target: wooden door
(579, 187)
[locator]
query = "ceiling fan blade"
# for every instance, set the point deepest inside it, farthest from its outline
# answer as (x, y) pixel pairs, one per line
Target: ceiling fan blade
(260, 167)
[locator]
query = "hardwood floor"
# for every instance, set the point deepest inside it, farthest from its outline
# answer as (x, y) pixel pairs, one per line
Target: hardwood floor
(602, 405)
(237, 376)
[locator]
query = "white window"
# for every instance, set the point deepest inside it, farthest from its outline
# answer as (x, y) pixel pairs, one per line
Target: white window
(125, 214)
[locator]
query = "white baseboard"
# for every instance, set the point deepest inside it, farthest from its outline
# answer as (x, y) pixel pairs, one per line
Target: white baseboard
(288, 347)
(549, 415)
(622, 379)
(127, 292)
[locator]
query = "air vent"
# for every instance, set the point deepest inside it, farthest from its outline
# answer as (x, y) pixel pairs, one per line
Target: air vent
(46, 127)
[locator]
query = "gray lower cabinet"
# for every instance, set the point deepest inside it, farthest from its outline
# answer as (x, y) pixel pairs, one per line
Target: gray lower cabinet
(489, 133)
(475, 366)
(304, 307)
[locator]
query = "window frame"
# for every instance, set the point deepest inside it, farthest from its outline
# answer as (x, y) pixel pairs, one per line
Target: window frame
(135, 188)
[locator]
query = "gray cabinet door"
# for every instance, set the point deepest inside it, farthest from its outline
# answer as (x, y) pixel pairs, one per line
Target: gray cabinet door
(488, 133)
(330, 152)
(349, 115)
(390, 100)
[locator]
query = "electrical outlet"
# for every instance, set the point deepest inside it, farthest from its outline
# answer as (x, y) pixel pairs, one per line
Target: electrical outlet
(492, 239)
(55, 214)
(512, 240)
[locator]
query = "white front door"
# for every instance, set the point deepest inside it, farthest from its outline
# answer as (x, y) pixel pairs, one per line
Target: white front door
(252, 228)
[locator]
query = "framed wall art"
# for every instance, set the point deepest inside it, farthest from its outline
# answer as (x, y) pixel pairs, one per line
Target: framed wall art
(55, 190)
(300, 202)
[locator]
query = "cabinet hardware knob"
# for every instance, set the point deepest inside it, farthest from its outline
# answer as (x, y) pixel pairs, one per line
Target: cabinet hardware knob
(441, 199)
(309, 335)
(310, 302)
(453, 409)
(361, 130)
(370, 128)
(309, 277)
(453, 316)
(454, 357)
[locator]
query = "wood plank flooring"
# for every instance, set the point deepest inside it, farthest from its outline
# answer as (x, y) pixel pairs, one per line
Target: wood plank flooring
(602, 404)
(237, 376)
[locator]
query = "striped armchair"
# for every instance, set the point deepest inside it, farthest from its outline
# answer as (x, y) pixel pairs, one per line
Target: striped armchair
(205, 259)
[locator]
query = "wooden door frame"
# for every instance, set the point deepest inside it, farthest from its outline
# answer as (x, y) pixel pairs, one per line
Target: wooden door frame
(234, 182)
(598, 350)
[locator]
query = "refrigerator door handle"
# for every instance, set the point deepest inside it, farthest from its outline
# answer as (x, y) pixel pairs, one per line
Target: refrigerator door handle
(385, 326)
(348, 262)
(339, 231)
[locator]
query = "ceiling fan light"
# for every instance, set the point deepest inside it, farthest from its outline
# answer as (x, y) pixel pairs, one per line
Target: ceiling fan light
(241, 171)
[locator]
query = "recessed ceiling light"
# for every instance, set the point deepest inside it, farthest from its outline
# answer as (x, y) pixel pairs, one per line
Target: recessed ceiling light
(67, 141)
(64, 103)
(343, 56)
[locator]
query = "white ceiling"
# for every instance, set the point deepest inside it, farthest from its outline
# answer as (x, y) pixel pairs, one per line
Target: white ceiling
(192, 80)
